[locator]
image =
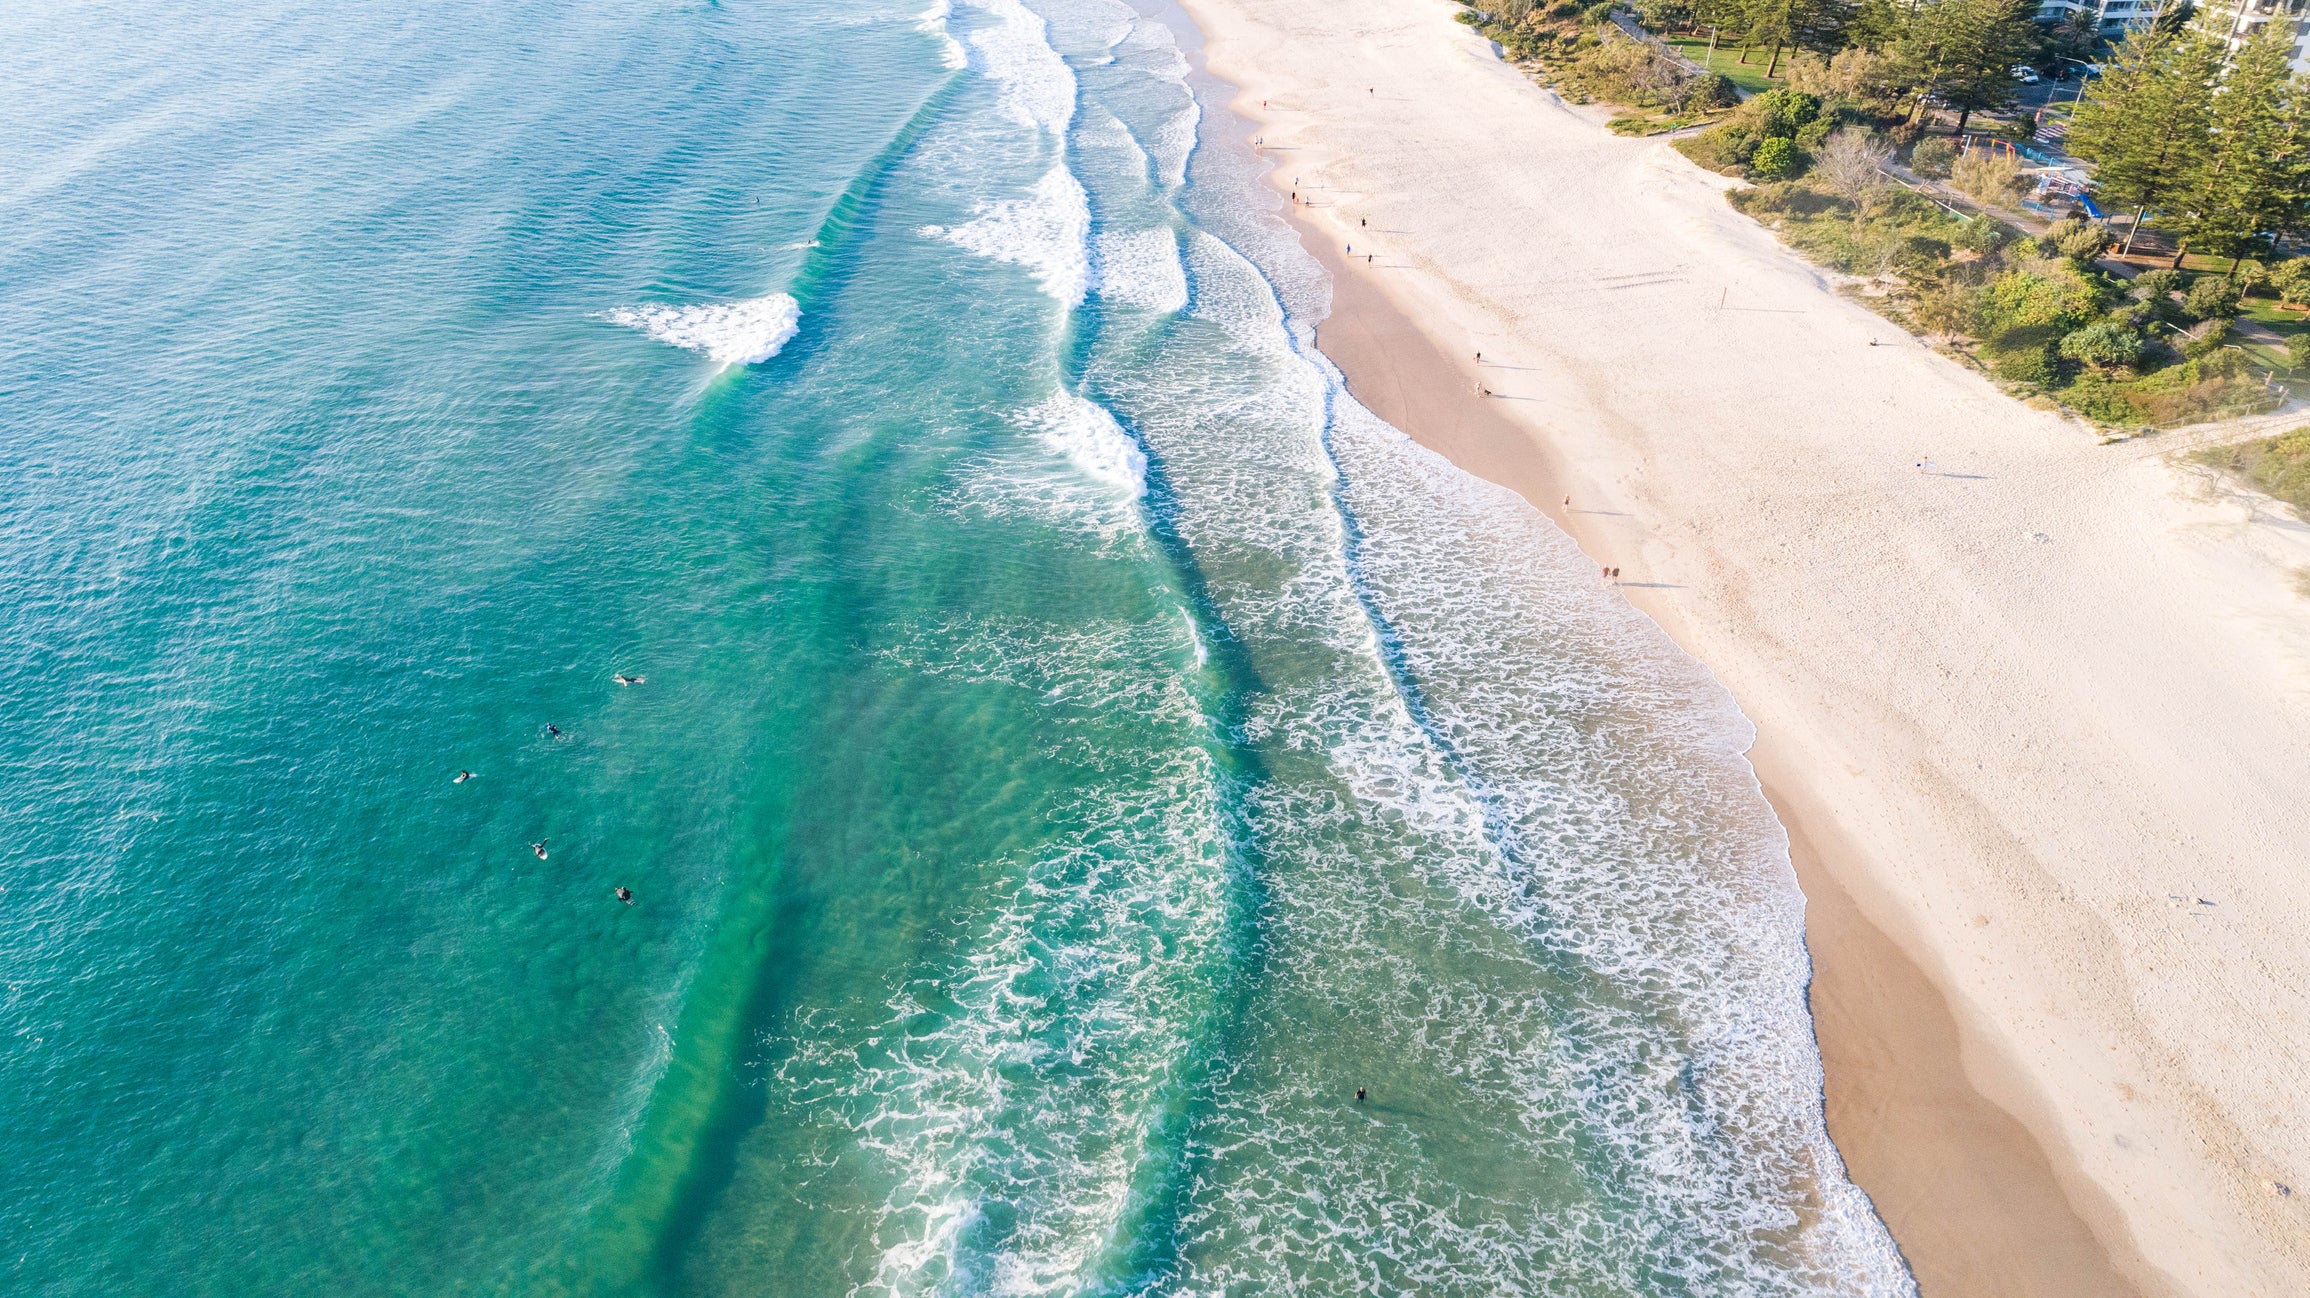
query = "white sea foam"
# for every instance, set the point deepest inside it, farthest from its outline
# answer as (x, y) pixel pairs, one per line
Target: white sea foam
(1046, 232)
(1567, 791)
(1153, 48)
(734, 333)
(1014, 51)
(1013, 1076)
(1091, 440)
(1141, 267)
(933, 22)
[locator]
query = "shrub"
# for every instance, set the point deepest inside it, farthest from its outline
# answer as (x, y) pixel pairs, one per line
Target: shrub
(2104, 344)
(1726, 148)
(2097, 397)
(2019, 299)
(1920, 254)
(1982, 234)
(1932, 157)
(1872, 81)
(2155, 287)
(2211, 298)
(1776, 159)
(1709, 90)
(1949, 309)
(2290, 282)
(2213, 387)
(1783, 112)
(1815, 133)
(2298, 350)
(2078, 241)
(2279, 465)
(2208, 344)
(1987, 176)
(2023, 356)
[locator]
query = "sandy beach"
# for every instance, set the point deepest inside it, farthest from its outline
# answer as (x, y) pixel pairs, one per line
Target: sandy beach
(2035, 710)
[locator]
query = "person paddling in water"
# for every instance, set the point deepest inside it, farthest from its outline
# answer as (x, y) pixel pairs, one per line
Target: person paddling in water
(539, 848)
(625, 894)
(552, 729)
(623, 679)
(462, 777)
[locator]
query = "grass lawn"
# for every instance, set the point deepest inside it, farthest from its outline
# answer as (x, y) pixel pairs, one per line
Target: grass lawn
(2262, 310)
(1727, 62)
(2284, 323)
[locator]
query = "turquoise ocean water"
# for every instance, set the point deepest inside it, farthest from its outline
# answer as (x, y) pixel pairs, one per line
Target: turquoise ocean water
(1077, 746)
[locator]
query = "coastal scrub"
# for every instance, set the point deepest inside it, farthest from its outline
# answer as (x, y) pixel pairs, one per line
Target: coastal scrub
(2278, 465)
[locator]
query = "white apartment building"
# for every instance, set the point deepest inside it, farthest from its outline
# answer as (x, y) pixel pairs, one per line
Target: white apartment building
(2239, 20)
(2116, 15)
(2236, 20)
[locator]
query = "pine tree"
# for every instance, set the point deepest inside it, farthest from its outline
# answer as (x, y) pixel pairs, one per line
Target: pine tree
(1993, 36)
(1817, 25)
(1963, 51)
(2143, 124)
(2243, 188)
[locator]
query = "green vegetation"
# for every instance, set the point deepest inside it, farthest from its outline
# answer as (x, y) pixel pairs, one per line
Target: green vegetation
(2033, 311)
(1840, 89)
(2278, 465)
(1577, 49)
(1724, 61)
(2220, 159)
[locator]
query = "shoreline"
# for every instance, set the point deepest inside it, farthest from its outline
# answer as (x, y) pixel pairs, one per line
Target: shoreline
(2020, 1067)
(1970, 1196)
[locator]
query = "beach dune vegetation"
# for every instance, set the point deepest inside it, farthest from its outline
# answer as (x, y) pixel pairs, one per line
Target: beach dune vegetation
(2277, 465)
(1852, 84)
(1989, 177)
(1932, 157)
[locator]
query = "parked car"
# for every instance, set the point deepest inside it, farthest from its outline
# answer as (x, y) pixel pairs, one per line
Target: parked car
(2025, 74)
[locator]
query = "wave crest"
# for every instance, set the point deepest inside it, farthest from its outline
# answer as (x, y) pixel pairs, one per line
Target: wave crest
(1046, 232)
(734, 333)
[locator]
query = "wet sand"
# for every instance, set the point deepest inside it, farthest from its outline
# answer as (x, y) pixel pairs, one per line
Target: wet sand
(2036, 714)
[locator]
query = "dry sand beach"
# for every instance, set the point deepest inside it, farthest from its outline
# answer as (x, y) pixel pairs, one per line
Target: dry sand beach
(2037, 715)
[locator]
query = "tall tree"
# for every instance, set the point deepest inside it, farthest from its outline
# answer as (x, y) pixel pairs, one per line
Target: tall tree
(1875, 24)
(2143, 123)
(1962, 52)
(2249, 172)
(1817, 25)
(1993, 37)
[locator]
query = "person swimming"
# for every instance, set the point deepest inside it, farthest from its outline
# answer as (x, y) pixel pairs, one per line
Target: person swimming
(462, 777)
(539, 848)
(552, 729)
(623, 679)
(625, 894)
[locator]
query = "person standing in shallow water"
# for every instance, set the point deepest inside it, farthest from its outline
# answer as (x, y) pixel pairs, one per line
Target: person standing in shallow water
(1359, 1095)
